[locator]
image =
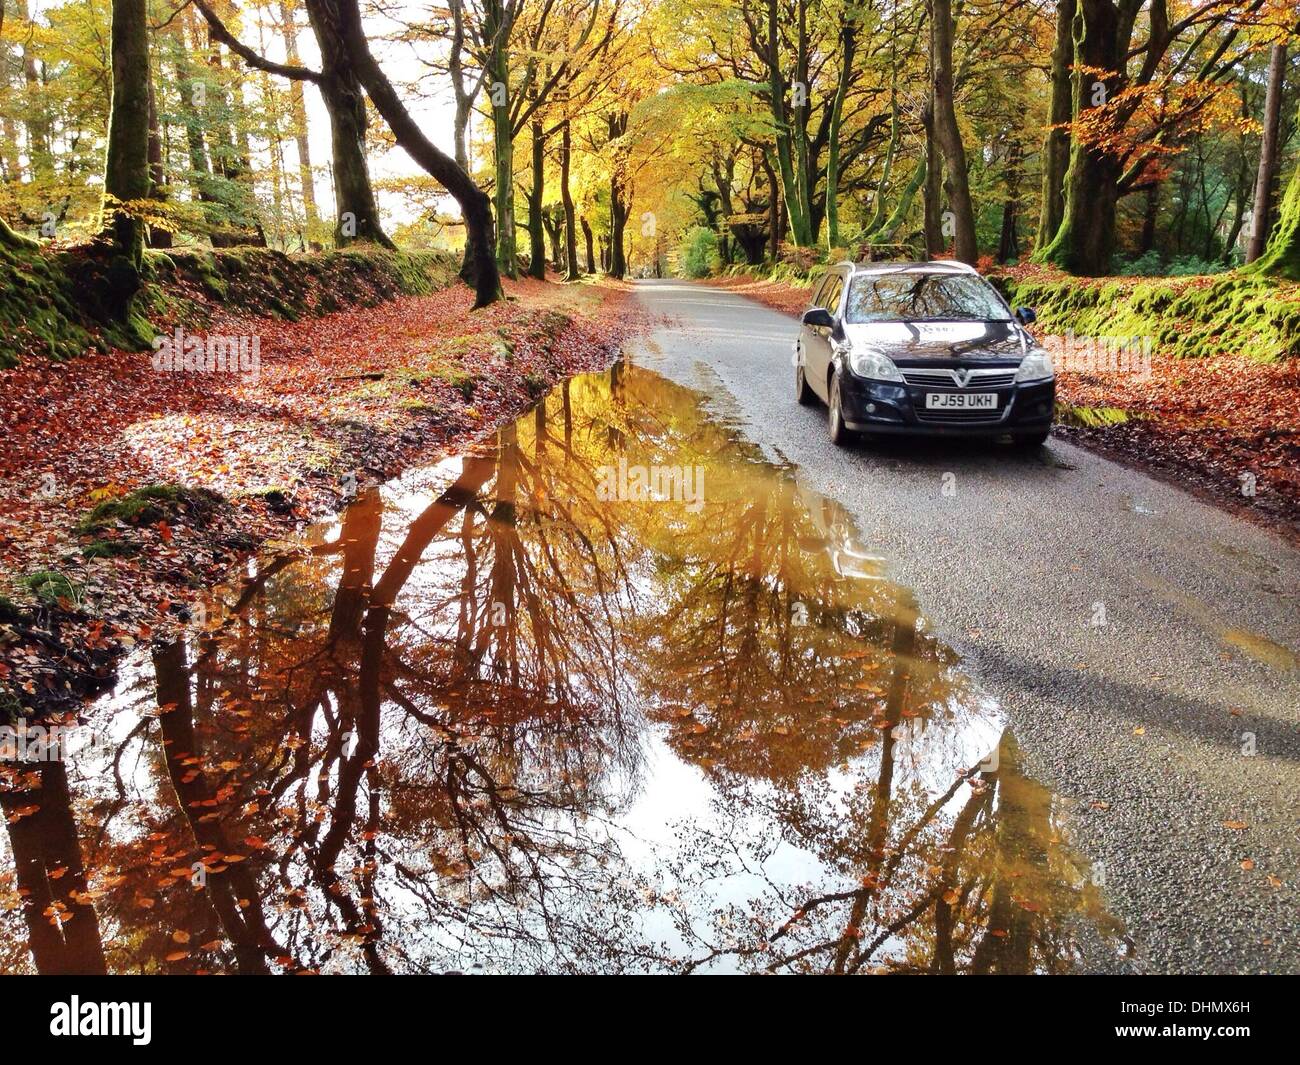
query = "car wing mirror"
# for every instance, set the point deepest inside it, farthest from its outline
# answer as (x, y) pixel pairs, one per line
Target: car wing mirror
(818, 318)
(1025, 315)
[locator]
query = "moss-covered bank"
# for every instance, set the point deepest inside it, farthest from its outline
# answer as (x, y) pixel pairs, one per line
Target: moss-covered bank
(53, 303)
(1185, 317)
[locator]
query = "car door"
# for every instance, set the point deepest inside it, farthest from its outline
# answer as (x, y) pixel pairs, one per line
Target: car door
(817, 339)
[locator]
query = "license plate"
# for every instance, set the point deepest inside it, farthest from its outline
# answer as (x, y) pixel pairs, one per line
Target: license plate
(961, 401)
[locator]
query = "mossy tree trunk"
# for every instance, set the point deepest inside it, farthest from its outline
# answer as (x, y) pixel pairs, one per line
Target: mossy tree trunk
(1056, 146)
(956, 178)
(126, 170)
(1281, 257)
(1085, 240)
(790, 124)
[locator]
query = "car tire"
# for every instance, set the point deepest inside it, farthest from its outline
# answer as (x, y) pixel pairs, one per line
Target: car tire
(841, 435)
(1031, 440)
(803, 394)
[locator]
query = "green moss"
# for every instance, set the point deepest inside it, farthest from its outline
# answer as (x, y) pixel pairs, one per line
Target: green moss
(1235, 313)
(151, 504)
(49, 586)
(109, 549)
(61, 304)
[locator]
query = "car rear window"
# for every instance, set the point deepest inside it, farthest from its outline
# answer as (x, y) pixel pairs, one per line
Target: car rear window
(921, 298)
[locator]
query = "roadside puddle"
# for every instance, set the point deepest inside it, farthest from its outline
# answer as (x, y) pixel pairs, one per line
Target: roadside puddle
(608, 693)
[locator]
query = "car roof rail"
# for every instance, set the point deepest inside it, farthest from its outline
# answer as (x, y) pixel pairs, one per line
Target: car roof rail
(964, 267)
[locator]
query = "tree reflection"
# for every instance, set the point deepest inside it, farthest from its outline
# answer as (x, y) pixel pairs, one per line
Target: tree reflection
(448, 732)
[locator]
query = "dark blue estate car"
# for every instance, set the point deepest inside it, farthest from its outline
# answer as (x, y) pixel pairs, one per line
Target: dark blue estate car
(924, 349)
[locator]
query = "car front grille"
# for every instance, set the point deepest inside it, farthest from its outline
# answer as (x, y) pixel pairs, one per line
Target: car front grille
(982, 377)
(961, 416)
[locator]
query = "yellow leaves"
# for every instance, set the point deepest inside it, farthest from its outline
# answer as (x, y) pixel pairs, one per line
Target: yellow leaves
(1236, 826)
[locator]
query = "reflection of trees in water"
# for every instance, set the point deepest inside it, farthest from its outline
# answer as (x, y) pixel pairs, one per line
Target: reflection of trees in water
(414, 754)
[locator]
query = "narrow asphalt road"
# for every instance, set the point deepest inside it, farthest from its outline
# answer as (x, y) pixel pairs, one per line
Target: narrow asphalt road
(1171, 732)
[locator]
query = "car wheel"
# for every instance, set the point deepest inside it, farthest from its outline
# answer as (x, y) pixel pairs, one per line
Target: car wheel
(841, 435)
(803, 394)
(1031, 440)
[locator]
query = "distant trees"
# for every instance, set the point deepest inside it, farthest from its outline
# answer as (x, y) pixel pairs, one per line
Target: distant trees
(789, 128)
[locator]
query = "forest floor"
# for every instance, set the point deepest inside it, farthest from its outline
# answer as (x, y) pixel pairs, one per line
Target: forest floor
(125, 490)
(1224, 427)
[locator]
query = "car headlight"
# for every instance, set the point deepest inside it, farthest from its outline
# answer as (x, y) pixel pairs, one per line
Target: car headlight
(1036, 366)
(872, 364)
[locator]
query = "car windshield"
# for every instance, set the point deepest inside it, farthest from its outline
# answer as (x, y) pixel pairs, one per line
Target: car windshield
(916, 297)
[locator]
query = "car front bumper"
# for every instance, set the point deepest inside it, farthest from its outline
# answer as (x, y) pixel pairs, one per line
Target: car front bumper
(885, 407)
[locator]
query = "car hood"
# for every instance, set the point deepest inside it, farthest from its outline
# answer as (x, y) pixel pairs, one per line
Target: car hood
(941, 340)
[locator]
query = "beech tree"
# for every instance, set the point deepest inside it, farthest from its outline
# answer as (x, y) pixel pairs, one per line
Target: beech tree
(126, 165)
(357, 213)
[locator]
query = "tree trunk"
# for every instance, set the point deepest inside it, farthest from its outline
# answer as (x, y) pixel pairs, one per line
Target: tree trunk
(299, 104)
(948, 134)
(1261, 220)
(848, 45)
(1281, 256)
(1085, 240)
(787, 126)
(480, 267)
(126, 170)
(933, 188)
(1009, 240)
(456, 70)
(571, 269)
(497, 29)
(618, 209)
(1056, 146)
(1150, 217)
(357, 215)
(158, 237)
(773, 211)
(536, 243)
(587, 236)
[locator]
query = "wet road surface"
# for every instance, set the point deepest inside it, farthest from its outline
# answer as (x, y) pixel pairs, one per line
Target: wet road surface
(1141, 643)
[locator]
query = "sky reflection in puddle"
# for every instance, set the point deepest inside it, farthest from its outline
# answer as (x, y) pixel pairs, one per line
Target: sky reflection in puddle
(492, 720)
